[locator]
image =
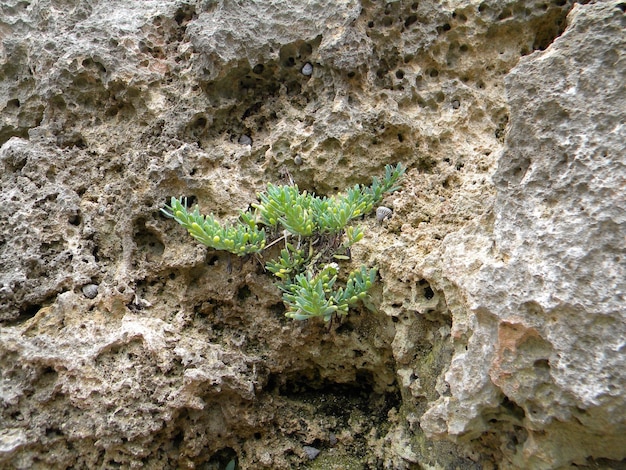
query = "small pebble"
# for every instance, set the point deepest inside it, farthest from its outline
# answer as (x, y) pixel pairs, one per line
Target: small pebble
(456, 104)
(311, 452)
(90, 291)
(245, 140)
(332, 439)
(307, 69)
(298, 160)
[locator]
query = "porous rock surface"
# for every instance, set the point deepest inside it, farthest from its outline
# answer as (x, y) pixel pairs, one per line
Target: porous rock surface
(545, 281)
(499, 336)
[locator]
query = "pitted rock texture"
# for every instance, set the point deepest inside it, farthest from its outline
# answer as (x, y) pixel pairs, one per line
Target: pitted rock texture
(545, 323)
(496, 344)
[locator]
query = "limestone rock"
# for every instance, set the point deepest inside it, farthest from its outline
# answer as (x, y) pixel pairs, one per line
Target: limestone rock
(545, 328)
(493, 317)
(261, 31)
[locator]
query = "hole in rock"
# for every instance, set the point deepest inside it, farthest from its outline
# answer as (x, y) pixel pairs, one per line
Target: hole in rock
(184, 14)
(518, 172)
(345, 328)
(74, 219)
(459, 16)
(200, 122)
(243, 293)
(428, 293)
(27, 312)
(278, 309)
(73, 139)
(222, 458)
(410, 20)
(513, 408)
(53, 432)
(147, 241)
(178, 439)
(337, 399)
(506, 13)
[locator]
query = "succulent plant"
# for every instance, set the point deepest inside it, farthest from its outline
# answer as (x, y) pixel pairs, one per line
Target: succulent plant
(315, 295)
(240, 239)
(290, 262)
(306, 269)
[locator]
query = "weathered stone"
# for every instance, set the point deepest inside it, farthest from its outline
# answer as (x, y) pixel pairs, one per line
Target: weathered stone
(545, 327)
(184, 358)
(311, 452)
(259, 31)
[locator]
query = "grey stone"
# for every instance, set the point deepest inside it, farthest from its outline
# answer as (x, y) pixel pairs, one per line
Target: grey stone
(307, 69)
(311, 452)
(245, 140)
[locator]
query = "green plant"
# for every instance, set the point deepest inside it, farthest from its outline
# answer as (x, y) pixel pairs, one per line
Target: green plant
(314, 296)
(306, 268)
(241, 239)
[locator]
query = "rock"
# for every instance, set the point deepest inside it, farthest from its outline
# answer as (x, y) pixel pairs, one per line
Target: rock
(489, 342)
(46, 251)
(264, 31)
(311, 452)
(307, 69)
(544, 334)
(245, 140)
